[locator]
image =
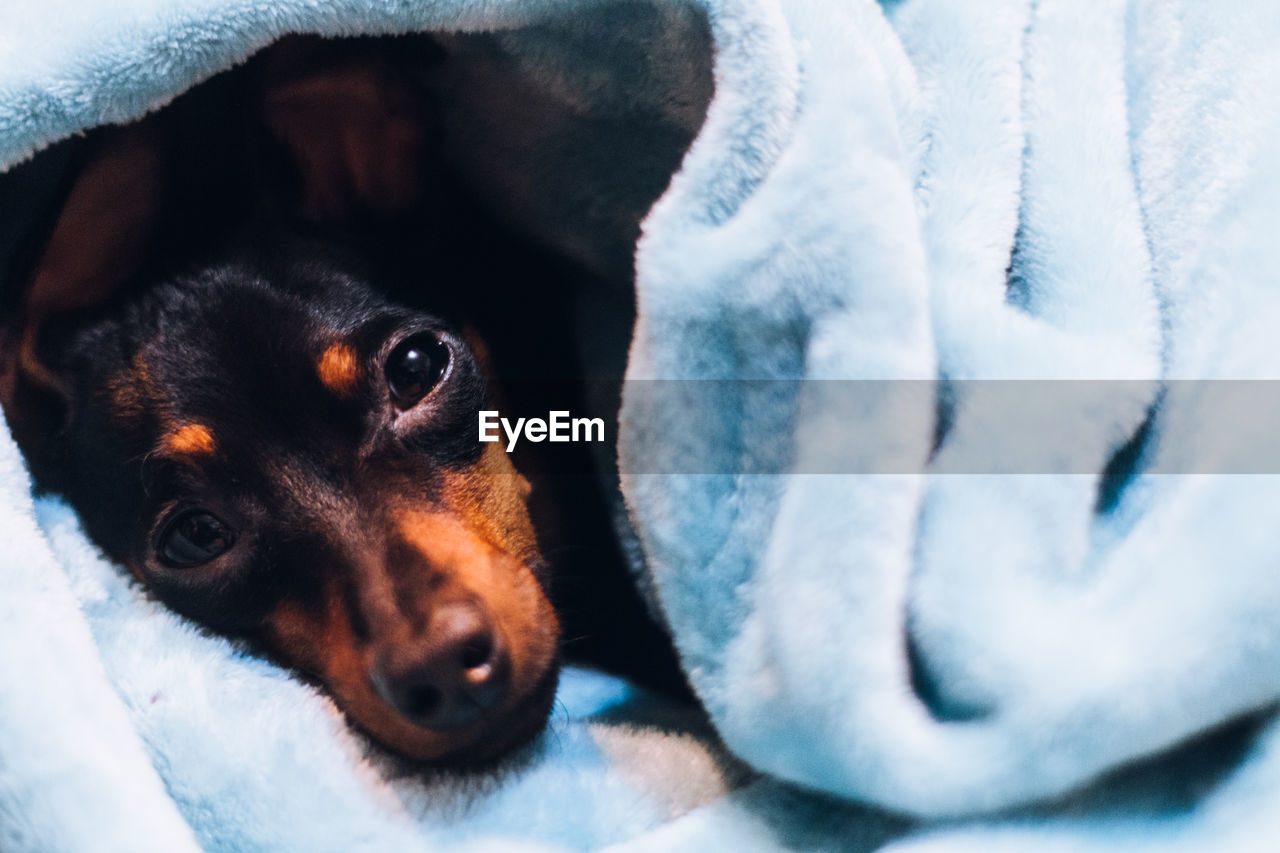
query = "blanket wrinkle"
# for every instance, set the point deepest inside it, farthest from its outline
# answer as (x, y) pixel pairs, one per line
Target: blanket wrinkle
(1052, 637)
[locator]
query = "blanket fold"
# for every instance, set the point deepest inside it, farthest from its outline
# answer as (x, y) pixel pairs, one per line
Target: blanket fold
(945, 644)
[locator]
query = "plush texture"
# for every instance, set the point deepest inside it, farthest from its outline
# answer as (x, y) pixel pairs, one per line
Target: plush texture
(909, 190)
(985, 191)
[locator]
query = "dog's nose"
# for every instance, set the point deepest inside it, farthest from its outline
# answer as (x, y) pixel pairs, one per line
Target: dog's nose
(452, 676)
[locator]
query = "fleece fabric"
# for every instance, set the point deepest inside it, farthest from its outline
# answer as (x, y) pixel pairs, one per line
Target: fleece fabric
(922, 195)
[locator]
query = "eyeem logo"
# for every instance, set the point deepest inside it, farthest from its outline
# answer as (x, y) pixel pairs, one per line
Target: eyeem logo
(558, 426)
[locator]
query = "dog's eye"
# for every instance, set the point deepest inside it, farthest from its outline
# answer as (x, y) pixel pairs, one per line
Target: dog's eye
(414, 367)
(192, 538)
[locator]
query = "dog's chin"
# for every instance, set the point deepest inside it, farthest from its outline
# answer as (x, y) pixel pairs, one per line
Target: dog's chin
(477, 747)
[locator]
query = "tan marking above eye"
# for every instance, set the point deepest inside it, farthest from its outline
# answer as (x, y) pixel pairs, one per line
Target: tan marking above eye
(190, 440)
(339, 369)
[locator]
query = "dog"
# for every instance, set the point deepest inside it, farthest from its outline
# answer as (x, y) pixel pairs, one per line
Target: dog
(206, 362)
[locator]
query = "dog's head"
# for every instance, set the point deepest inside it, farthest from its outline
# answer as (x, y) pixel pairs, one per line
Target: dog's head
(276, 450)
(285, 454)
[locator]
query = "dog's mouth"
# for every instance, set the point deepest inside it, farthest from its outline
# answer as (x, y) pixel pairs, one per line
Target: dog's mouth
(464, 692)
(446, 652)
(506, 733)
(483, 742)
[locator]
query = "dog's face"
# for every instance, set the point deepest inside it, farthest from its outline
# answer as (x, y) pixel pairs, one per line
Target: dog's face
(269, 444)
(293, 458)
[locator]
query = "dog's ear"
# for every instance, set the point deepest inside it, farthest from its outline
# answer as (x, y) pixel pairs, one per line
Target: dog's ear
(352, 125)
(98, 242)
(104, 227)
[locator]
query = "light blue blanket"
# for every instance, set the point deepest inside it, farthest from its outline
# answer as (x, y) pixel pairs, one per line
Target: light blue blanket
(914, 659)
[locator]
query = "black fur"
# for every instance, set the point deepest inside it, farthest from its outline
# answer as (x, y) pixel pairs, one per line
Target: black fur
(226, 320)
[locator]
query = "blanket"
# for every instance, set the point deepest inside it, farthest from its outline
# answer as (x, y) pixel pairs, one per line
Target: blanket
(1068, 192)
(908, 200)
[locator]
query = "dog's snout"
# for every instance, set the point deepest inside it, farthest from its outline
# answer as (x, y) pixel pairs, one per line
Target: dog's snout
(451, 676)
